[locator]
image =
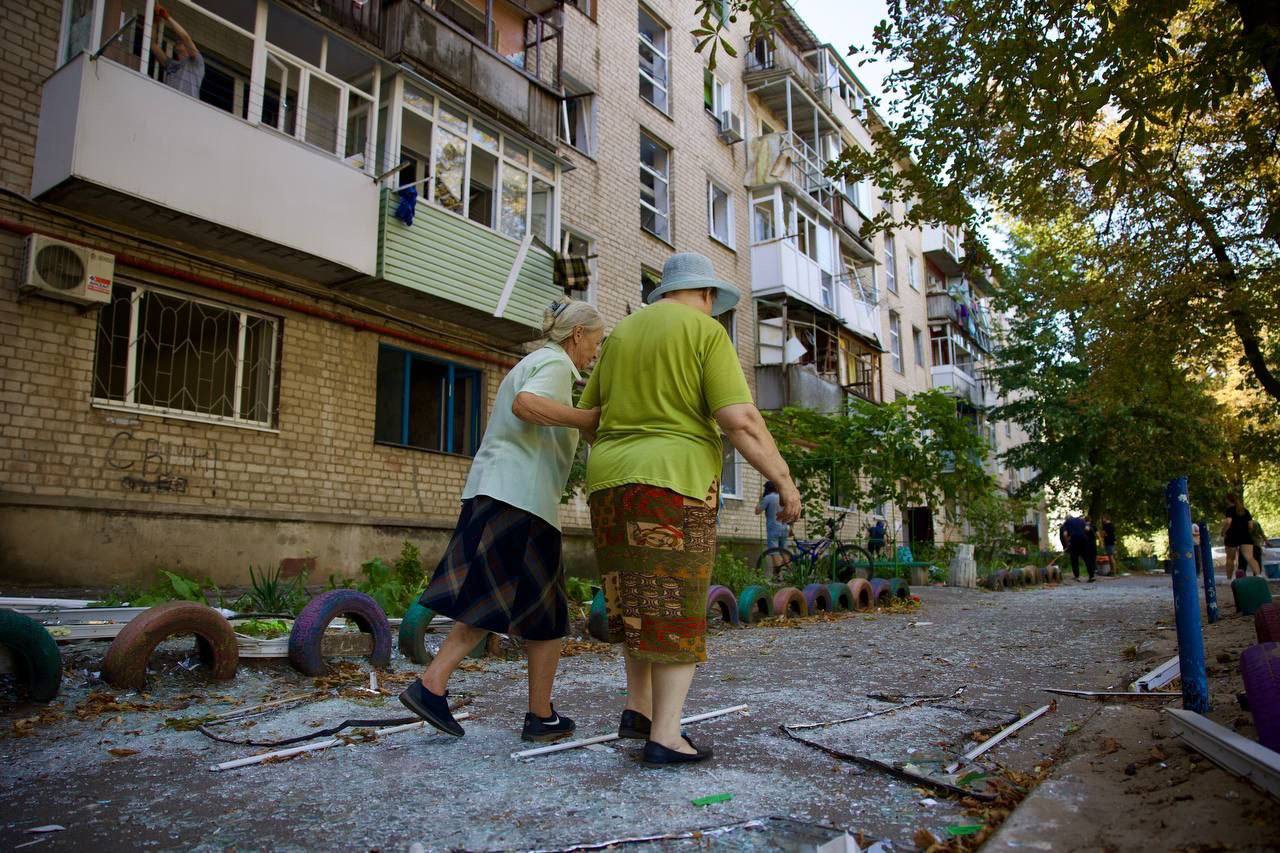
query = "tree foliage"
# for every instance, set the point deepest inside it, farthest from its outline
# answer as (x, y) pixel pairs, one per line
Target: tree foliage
(911, 452)
(1111, 430)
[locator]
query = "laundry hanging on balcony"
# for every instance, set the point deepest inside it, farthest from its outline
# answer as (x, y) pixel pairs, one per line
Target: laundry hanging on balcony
(408, 205)
(573, 272)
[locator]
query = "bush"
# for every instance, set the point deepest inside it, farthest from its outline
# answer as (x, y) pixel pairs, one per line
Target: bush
(395, 587)
(169, 587)
(580, 590)
(269, 593)
(732, 571)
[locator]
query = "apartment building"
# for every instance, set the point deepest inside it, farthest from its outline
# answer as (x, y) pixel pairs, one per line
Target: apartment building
(262, 315)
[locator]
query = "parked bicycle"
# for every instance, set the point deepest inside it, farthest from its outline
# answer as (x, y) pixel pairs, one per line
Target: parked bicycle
(814, 560)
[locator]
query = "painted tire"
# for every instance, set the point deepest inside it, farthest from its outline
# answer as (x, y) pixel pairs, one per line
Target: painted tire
(754, 604)
(1250, 594)
(860, 589)
(1001, 580)
(900, 589)
(1055, 575)
(598, 618)
(1260, 666)
(789, 602)
(412, 640)
(841, 597)
(720, 599)
(125, 664)
(308, 628)
(817, 598)
(35, 655)
(1266, 622)
(881, 595)
(1042, 574)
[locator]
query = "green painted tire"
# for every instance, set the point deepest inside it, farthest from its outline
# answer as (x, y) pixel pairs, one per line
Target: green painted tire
(754, 604)
(35, 655)
(1250, 594)
(412, 639)
(900, 589)
(841, 597)
(598, 619)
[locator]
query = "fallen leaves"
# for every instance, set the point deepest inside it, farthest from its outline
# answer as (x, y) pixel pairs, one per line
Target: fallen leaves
(1109, 745)
(122, 751)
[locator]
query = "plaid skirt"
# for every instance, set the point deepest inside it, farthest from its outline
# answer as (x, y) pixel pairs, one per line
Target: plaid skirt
(502, 573)
(655, 549)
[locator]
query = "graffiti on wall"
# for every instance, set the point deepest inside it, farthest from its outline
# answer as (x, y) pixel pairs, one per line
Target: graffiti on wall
(154, 466)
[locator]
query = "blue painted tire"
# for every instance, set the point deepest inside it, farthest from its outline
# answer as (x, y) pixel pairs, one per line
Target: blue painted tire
(720, 600)
(754, 604)
(1260, 666)
(308, 629)
(817, 598)
(881, 595)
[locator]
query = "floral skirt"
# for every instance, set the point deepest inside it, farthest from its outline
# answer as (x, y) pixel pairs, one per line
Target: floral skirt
(655, 549)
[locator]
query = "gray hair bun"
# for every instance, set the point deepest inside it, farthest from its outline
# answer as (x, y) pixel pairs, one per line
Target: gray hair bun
(563, 315)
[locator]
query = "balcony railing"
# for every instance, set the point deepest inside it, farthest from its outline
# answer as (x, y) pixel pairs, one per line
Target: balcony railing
(972, 320)
(942, 245)
(781, 57)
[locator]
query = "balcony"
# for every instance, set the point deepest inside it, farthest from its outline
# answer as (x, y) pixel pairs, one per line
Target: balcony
(779, 268)
(520, 88)
(972, 320)
(119, 145)
(942, 245)
(797, 385)
(449, 267)
(958, 383)
(765, 63)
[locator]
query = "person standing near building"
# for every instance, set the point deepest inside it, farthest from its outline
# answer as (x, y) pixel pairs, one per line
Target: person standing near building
(875, 538)
(184, 70)
(502, 570)
(776, 533)
(1081, 542)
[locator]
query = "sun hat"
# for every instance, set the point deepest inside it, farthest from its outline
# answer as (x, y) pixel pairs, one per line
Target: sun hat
(691, 271)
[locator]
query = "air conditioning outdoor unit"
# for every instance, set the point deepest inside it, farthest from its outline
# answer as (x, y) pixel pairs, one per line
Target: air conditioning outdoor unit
(68, 272)
(730, 127)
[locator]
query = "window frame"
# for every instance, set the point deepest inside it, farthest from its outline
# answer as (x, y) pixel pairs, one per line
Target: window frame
(714, 186)
(913, 280)
(721, 97)
(587, 121)
(665, 179)
(895, 342)
(917, 345)
(663, 53)
(890, 263)
(129, 404)
(476, 416)
(736, 459)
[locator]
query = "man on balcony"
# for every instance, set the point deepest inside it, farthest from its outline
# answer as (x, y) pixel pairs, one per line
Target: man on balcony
(184, 70)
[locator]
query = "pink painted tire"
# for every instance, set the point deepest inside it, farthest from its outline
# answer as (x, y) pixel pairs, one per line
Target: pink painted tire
(860, 589)
(789, 602)
(125, 664)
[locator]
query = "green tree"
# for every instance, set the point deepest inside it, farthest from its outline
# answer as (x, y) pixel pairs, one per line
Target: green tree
(1158, 121)
(1108, 425)
(911, 452)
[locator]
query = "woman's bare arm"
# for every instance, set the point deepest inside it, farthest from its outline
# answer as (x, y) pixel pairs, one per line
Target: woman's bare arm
(746, 431)
(531, 408)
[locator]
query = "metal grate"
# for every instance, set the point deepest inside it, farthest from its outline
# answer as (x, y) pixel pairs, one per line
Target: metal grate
(172, 354)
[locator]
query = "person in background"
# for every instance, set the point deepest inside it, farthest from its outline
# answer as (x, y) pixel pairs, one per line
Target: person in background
(1081, 542)
(502, 570)
(1109, 542)
(1237, 537)
(184, 70)
(776, 533)
(875, 538)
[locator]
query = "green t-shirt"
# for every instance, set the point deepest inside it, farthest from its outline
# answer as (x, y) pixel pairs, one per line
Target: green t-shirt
(662, 374)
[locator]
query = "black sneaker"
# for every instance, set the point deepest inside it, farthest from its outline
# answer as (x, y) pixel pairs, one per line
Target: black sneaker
(430, 707)
(657, 755)
(634, 726)
(554, 727)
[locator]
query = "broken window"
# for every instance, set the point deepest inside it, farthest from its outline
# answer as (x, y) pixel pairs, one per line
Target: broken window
(426, 403)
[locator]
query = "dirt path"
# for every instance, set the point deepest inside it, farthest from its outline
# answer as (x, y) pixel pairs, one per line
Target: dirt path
(470, 794)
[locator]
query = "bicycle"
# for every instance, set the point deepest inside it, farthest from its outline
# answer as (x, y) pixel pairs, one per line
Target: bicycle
(843, 560)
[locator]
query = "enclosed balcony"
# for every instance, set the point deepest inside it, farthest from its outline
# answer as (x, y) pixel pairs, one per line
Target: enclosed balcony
(806, 358)
(500, 57)
(265, 155)
(942, 244)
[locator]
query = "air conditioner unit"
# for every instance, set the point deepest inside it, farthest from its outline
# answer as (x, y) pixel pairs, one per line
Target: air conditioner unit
(730, 127)
(68, 272)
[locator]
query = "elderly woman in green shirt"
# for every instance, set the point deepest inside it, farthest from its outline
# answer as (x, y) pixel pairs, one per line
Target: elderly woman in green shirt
(502, 569)
(668, 383)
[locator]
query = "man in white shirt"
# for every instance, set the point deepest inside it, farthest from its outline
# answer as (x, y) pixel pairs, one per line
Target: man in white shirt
(184, 70)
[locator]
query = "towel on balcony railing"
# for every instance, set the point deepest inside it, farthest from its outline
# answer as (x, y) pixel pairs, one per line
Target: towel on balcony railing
(408, 205)
(769, 158)
(572, 272)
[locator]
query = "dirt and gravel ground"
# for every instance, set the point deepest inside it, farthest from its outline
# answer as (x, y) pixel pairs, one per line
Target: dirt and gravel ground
(156, 789)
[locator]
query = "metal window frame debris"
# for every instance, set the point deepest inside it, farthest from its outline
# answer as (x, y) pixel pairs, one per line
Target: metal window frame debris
(921, 700)
(1111, 694)
(1165, 673)
(315, 747)
(576, 744)
(995, 739)
(1232, 752)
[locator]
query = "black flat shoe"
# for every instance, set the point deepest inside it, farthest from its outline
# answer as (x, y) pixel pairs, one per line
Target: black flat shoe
(542, 729)
(657, 755)
(430, 707)
(634, 726)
